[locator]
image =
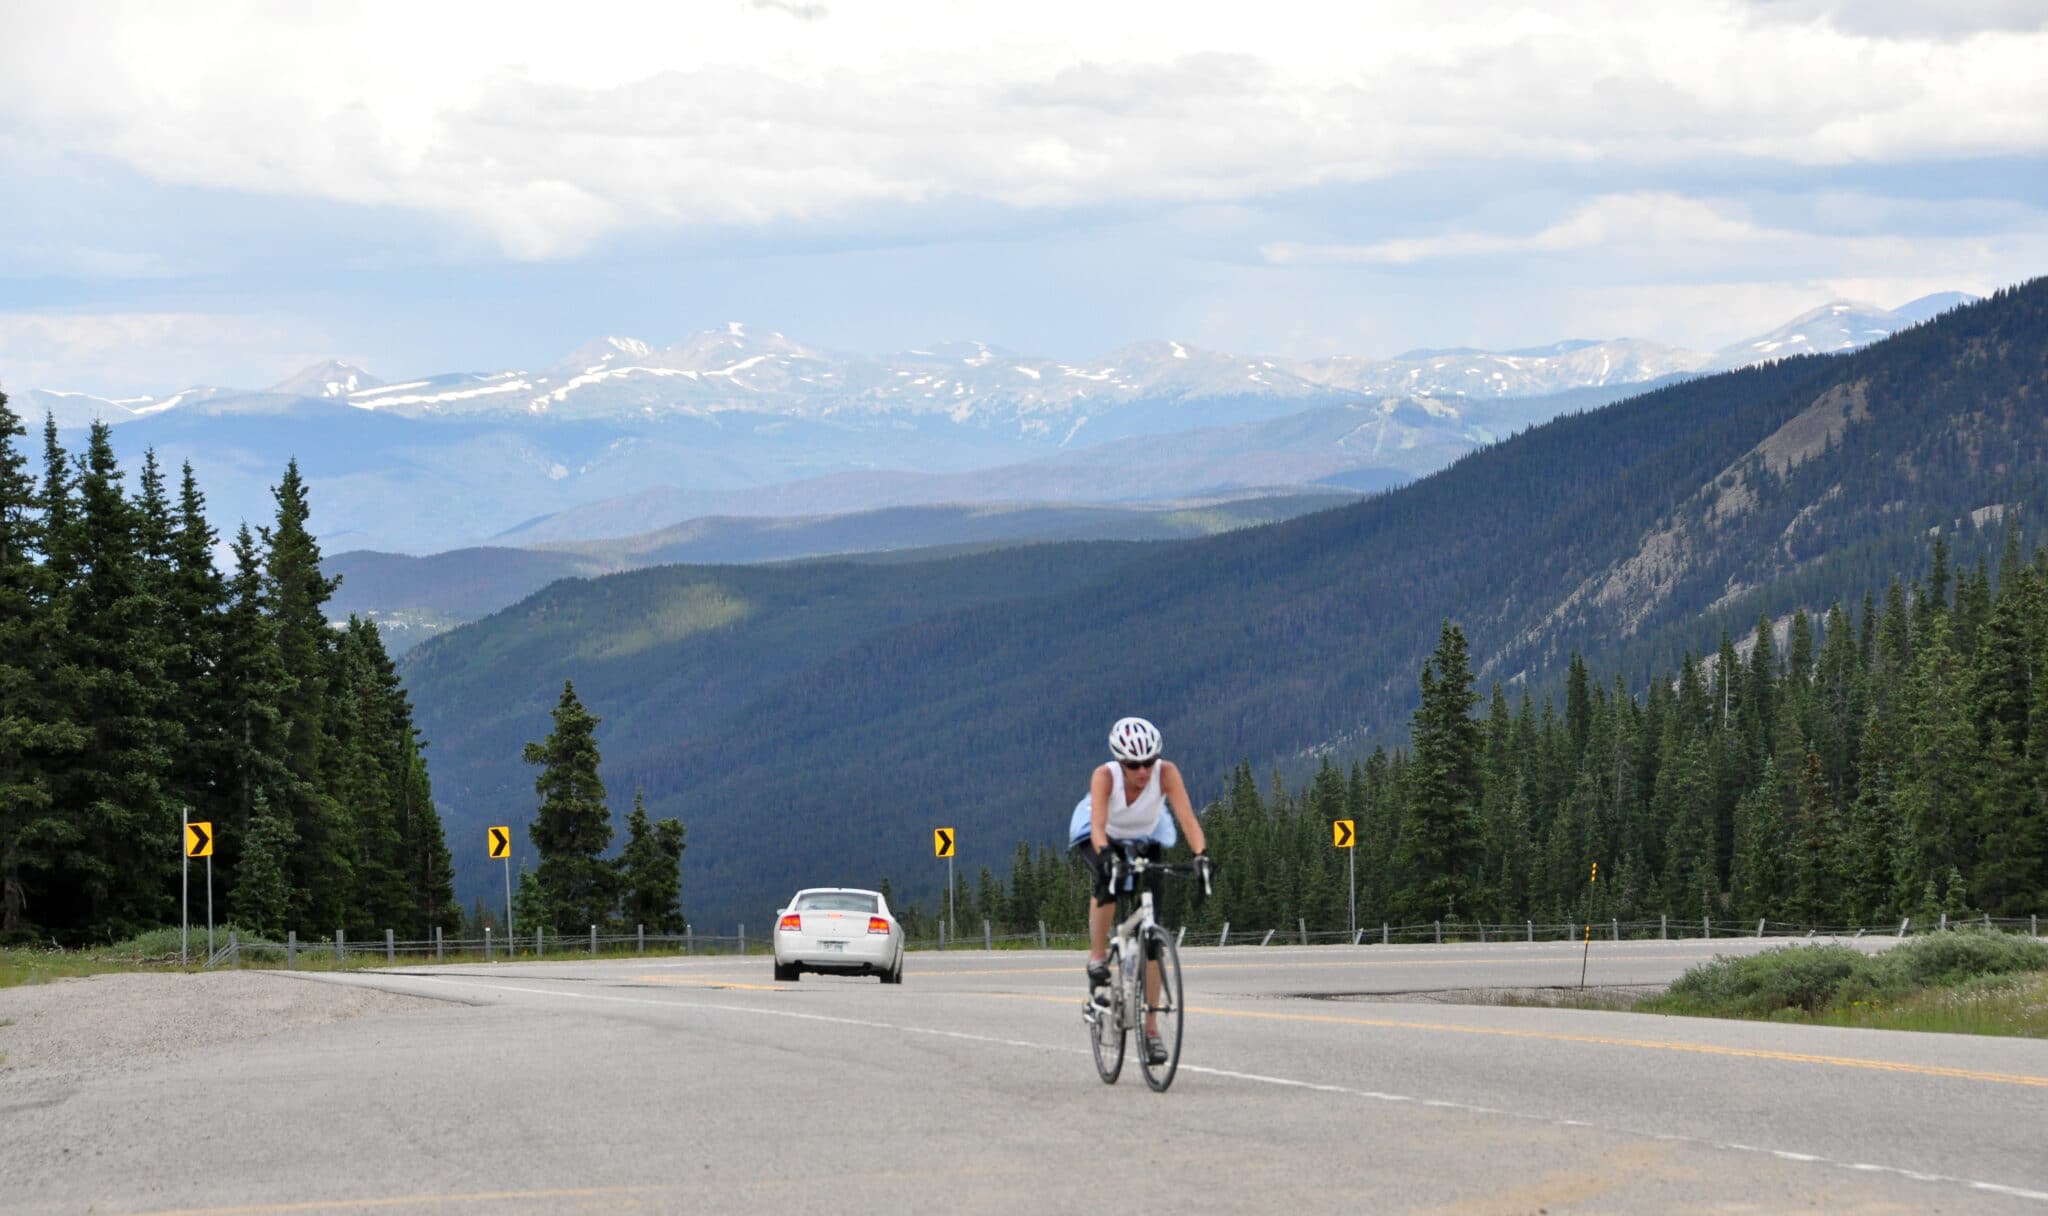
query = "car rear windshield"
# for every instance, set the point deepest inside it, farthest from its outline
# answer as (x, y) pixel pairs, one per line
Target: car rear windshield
(836, 901)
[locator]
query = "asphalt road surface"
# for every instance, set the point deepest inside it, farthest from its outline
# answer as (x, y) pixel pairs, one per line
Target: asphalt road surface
(700, 1085)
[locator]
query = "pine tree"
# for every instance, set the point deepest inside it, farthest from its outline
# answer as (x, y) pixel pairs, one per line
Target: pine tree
(532, 911)
(573, 826)
(254, 775)
(363, 767)
(1441, 843)
(195, 608)
(650, 871)
(34, 729)
(262, 895)
(296, 592)
(115, 645)
(1817, 868)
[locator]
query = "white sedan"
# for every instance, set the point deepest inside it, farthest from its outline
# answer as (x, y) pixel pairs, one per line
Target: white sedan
(842, 930)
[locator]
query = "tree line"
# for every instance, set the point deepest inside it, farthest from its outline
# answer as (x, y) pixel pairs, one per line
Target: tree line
(1851, 768)
(142, 685)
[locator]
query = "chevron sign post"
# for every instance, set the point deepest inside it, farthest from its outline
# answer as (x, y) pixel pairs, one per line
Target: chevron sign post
(942, 846)
(198, 843)
(499, 841)
(1345, 837)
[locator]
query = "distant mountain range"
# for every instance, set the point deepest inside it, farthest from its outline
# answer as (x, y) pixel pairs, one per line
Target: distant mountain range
(621, 437)
(758, 702)
(735, 370)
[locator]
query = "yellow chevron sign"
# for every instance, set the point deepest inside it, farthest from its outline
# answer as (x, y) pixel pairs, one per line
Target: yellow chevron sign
(199, 839)
(942, 842)
(1341, 834)
(501, 842)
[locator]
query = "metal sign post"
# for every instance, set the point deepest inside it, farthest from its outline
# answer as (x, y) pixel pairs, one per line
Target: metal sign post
(499, 840)
(1343, 835)
(198, 843)
(942, 846)
(185, 891)
(1591, 883)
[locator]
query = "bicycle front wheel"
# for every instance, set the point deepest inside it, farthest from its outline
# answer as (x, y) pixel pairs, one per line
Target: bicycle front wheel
(1159, 1036)
(1106, 1023)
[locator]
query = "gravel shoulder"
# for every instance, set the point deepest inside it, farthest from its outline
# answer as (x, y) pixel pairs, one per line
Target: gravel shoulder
(104, 1023)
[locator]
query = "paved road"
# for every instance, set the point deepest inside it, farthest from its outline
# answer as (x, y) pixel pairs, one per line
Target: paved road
(699, 1085)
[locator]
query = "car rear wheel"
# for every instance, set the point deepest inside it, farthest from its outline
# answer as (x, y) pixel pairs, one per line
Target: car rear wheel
(894, 975)
(785, 974)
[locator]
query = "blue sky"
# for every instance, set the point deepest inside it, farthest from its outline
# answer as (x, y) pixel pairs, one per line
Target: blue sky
(225, 194)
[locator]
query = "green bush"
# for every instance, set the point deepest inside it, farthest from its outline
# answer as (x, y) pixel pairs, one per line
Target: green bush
(1792, 980)
(154, 943)
(1758, 985)
(1946, 958)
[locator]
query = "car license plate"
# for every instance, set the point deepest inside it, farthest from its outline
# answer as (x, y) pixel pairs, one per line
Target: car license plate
(832, 945)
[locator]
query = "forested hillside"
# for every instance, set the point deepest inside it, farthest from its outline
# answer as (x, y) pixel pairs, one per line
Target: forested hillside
(1881, 761)
(414, 598)
(1629, 534)
(140, 687)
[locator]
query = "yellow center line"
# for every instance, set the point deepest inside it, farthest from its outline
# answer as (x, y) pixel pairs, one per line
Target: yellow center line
(402, 1201)
(1293, 965)
(1710, 1049)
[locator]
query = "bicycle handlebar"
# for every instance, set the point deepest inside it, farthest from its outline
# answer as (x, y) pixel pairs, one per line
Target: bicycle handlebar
(1123, 860)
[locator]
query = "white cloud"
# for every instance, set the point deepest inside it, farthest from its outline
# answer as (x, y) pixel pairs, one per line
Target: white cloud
(547, 130)
(1826, 245)
(145, 353)
(1602, 222)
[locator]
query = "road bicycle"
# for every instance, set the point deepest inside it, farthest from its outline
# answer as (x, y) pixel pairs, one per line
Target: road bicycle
(1118, 1012)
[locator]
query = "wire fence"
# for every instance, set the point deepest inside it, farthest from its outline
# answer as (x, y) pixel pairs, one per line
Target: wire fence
(1455, 933)
(343, 951)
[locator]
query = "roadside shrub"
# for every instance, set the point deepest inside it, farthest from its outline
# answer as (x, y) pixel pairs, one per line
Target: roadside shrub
(154, 943)
(1946, 958)
(1758, 985)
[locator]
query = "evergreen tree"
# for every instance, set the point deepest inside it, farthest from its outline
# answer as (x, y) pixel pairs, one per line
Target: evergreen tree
(254, 771)
(34, 729)
(296, 593)
(262, 896)
(126, 857)
(1818, 875)
(363, 766)
(195, 609)
(1441, 844)
(532, 911)
(650, 871)
(573, 826)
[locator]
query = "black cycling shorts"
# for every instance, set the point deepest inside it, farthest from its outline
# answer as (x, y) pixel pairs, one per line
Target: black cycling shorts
(1155, 881)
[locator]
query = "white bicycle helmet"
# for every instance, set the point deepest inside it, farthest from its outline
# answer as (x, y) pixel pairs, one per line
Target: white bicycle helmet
(1134, 739)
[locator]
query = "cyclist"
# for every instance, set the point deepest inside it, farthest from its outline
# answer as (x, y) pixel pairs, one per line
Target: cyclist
(1128, 800)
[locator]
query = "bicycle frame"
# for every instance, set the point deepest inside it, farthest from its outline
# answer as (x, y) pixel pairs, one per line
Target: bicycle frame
(1145, 999)
(1128, 933)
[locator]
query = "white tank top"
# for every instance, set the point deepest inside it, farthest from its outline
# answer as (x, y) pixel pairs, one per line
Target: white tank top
(1134, 820)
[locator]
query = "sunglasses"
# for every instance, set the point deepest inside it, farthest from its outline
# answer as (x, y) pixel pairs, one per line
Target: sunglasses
(1138, 764)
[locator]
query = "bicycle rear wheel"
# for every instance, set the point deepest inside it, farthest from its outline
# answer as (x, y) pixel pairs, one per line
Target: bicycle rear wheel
(1164, 1009)
(1106, 1024)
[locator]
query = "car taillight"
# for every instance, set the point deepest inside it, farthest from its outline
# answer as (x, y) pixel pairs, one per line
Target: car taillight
(877, 925)
(792, 922)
